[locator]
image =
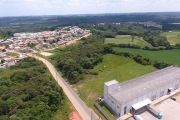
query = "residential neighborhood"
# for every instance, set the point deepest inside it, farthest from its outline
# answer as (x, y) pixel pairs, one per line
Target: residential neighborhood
(25, 42)
(6, 60)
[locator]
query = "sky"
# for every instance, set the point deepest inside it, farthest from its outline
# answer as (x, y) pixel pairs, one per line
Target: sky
(66, 7)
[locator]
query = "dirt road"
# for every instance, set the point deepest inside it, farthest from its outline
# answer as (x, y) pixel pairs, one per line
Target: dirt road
(80, 106)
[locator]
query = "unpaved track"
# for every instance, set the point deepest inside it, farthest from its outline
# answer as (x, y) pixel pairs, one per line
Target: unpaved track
(79, 105)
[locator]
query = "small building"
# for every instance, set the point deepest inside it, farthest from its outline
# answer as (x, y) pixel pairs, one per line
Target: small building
(17, 34)
(134, 95)
(3, 65)
(11, 62)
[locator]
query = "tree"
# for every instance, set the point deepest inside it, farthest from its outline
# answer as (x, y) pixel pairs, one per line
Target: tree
(4, 50)
(2, 61)
(132, 37)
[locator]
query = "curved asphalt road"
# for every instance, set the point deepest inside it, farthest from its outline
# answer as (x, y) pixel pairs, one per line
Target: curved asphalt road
(80, 106)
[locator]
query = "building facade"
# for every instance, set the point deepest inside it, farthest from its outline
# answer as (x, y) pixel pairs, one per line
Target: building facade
(121, 97)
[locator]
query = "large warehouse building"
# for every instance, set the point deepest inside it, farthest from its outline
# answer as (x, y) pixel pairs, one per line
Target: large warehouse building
(133, 95)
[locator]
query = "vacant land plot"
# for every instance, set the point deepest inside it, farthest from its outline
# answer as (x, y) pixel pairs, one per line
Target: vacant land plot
(173, 37)
(125, 39)
(46, 53)
(169, 56)
(12, 54)
(112, 67)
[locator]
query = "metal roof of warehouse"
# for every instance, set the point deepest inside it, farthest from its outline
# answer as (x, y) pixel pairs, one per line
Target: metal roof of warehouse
(142, 85)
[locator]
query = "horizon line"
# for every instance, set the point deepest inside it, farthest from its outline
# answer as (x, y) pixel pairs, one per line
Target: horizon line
(88, 14)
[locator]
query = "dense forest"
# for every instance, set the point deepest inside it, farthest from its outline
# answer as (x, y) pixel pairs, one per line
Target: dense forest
(28, 92)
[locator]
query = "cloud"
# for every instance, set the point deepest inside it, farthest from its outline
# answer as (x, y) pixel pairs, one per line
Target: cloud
(60, 7)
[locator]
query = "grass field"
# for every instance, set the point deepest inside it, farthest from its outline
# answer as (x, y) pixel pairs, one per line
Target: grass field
(112, 67)
(172, 37)
(125, 39)
(12, 54)
(169, 56)
(64, 111)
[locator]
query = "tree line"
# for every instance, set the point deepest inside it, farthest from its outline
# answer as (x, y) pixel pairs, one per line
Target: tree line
(75, 60)
(29, 92)
(143, 60)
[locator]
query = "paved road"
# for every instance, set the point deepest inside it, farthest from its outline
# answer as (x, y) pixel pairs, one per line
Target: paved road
(80, 106)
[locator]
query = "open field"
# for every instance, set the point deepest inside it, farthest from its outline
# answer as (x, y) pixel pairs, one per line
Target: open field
(169, 56)
(13, 54)
(107, 111)
(112, 67)
(46, 53)
(125, 39)
(64, 111)
(172, 37)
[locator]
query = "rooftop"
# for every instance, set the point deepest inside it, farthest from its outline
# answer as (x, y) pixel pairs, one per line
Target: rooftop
(139, 86)
(111, 82)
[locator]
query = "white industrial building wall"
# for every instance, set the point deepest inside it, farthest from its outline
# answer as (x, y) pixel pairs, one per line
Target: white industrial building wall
(118, 108)
(178, 81)
(145, 96)
(150, 95)
(170, 85)
(113, 103)
(174, 84)
(109, 99)
(162, 89)
(105, 93)
(135, 100)
(166, 89)
(108, 89)
(140, 98)
(122, 109)
(129, 106)
(158, 92)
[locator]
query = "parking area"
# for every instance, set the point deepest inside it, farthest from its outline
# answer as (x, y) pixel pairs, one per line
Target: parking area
(169, 108)
(177, 97)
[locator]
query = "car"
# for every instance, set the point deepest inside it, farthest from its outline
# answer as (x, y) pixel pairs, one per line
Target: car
(173, 99)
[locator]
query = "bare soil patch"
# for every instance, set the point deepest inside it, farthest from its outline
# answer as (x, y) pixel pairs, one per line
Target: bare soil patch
(75, 116)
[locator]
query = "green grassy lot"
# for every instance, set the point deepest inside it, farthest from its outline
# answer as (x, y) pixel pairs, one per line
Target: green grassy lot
(66, 109)
(107, 111)
(169, 56)
(125, 39)
(12, 54)
(112, 67)
(54, 51)
(172, 37)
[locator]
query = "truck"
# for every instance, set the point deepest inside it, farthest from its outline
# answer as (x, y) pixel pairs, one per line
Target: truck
(155, 111)
(138, 117)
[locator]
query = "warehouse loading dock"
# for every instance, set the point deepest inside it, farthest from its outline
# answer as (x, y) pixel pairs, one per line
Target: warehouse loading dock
(169, 108)
(140, 107)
